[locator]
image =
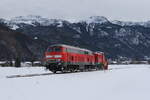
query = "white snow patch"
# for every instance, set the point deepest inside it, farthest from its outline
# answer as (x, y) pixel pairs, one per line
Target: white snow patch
(129, 23)
(31, 20)
(35, 38)
(135, 41)
(95, 19)
(77, 29)
(14, 27)
(77, 36)
(103, 33)
(60, 24)
(121, 82)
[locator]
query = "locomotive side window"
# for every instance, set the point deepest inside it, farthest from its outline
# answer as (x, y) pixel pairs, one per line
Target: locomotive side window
(72, 50)
(85, 52)
(54, 49)
(81, 52)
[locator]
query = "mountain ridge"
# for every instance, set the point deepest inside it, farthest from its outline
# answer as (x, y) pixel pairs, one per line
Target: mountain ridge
(96, 33)
(33, 19)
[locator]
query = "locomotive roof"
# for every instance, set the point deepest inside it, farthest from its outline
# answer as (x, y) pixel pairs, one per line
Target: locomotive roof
(68, 46)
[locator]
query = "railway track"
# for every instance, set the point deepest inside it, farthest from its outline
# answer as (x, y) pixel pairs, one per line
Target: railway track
(28, 75)
(43, 74)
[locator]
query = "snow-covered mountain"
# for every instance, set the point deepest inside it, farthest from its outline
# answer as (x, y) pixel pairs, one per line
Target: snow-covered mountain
(127, 23)
(115, 38)
(2, 20)
(38, 20)
(122, 23)
(33, 21)
(95, 19)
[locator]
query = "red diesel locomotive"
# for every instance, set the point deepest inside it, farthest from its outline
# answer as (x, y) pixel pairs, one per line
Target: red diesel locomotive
(67, 58)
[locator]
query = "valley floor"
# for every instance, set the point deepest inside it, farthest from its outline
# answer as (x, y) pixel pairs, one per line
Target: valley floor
(120, 82)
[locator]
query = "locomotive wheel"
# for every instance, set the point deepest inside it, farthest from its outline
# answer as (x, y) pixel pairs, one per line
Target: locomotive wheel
(63, 71)
(72, 70)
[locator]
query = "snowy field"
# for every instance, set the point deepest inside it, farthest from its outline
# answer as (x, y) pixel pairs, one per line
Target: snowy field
(120, 82)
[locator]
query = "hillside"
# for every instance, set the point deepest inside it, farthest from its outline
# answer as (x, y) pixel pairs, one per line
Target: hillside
(115, 38)
(13, 44)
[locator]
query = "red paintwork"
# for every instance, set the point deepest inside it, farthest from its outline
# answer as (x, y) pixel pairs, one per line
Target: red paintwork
(100, 58)
(79, 58)
(66, 56)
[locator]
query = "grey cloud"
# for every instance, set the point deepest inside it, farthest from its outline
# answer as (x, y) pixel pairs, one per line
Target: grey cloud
(135, 10)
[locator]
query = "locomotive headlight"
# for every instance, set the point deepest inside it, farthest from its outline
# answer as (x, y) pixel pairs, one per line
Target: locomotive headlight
(58, 56)
(49, 56)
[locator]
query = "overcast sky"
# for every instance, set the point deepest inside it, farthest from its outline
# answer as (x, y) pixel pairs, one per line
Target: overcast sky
(127, 10)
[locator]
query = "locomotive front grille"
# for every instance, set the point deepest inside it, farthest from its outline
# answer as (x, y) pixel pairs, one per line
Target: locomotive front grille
(53, 60)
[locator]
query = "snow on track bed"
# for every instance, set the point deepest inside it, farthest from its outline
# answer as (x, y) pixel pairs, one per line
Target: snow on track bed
(6, 71)
(50, 73)
(123, 82)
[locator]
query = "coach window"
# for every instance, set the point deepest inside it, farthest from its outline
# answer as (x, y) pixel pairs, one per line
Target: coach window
(72, 50)
(69, 50)
(65, 50)
(75, 51)
(81, 52)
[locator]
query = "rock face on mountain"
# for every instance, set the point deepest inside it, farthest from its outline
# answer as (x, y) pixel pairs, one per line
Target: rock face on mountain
(116, 38)
(14, 44)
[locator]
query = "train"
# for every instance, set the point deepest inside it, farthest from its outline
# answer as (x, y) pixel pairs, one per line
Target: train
(66, 58)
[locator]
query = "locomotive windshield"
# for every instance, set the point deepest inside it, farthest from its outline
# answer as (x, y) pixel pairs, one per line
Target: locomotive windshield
(54, 49)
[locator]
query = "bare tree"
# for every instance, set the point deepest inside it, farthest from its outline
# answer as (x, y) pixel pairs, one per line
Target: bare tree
(17, 62)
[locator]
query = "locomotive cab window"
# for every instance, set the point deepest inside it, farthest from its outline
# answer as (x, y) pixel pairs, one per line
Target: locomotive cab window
(54, 49)
(85, 52)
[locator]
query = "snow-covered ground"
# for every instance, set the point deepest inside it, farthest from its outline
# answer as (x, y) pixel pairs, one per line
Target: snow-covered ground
(121, 82)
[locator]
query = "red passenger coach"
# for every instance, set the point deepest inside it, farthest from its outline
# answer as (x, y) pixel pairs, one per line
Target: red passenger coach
(69, 59)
